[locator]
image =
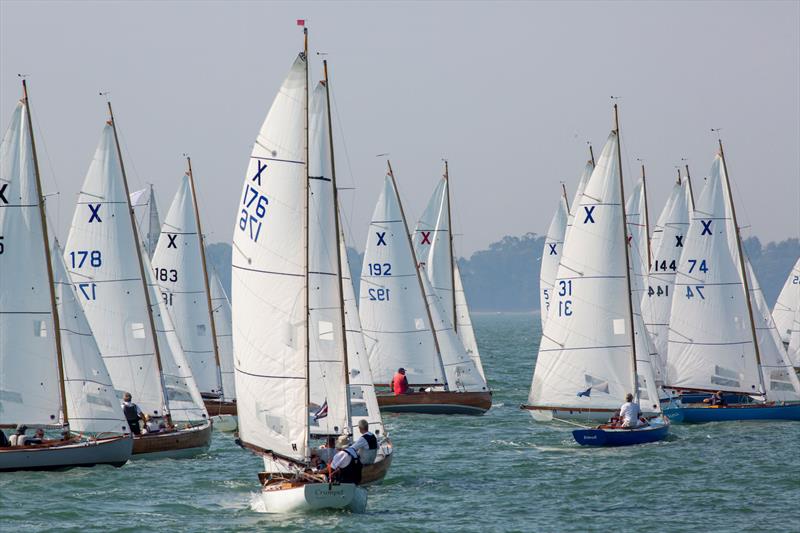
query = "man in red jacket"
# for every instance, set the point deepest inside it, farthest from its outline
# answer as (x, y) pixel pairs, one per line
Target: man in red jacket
(400, 383)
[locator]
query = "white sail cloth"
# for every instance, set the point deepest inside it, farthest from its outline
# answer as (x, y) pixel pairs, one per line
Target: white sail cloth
(29, 381)
(222, 321)
(787, 305)
(270, 333)
(576, 200)
(464, 323)
(585, 357)
(101, 257)
(551, 255)
(393, 312)
(794, 340)
(93, 407)
(178, 268)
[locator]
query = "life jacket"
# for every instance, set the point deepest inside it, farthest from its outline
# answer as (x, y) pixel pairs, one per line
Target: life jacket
(372, 440)
(131, 413)
(399, 384)
(352, 472)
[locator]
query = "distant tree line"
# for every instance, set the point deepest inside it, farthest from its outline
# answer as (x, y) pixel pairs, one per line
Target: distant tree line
(505, 277)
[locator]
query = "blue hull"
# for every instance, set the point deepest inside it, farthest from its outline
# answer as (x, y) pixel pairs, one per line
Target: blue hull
(697, 415)
(621, 437)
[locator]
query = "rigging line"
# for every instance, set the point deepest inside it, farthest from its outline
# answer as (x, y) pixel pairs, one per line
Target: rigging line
(43, 143)
(343, 138)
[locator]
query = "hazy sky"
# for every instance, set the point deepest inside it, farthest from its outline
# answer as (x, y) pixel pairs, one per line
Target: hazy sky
(508, 92)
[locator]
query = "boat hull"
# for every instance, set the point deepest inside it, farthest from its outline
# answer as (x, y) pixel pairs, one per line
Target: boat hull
(374, 473)
(225, 423)
(315, 497)
(656, 431)
(180, 444)
(114, 451)
(219, 407)
(700, 414)
(437, 403)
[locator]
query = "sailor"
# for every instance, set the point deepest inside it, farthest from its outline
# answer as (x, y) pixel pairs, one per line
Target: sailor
(716, 399)
(38, 437)
(19, 438)
(4, 443)
(629, 412)
(152, 424)
(400, 383)
(132, 413)
(346, 466)
(367, 444)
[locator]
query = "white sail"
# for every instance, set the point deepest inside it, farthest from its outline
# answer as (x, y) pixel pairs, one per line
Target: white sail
(101, 257)
(178, 268)
(710, 338)
(780, 379)
(464, 322)
(328, 407)
(551, 255)
(222, 323)
(459, 368)
(269, 280)
(29, 381)
(183, 396)
(787, 304)
(363, 401)
(584, 179)
(93, 407)
(585, 356)
(794, 340)
(432, 246)
(393, 313)
(639, 248)
(657, 299)
(153, 224)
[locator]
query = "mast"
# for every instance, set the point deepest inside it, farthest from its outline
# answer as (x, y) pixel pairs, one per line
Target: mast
(564, 195)
(419, 280)
(627, 255)
(591, 154)
(646, 221)
(745, 277)
(205, 276)
(141, 266)
(305, 240)
(679, 175)
(338, 246)
(689, 182)
(450, 242)
(46, 242)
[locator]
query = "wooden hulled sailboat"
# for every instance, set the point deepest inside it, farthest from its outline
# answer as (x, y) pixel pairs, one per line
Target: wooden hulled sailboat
(182, 272)
(51, 373)
(594, 347)
(288, 311)
(124, 307)
(721, 334)
(405, 323)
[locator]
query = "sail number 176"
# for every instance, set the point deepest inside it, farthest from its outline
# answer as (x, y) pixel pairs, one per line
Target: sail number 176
(250, 222)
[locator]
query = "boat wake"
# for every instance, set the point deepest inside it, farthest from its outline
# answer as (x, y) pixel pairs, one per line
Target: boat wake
(257, 504)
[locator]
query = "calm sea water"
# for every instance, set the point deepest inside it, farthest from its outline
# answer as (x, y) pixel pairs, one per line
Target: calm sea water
(498, 472)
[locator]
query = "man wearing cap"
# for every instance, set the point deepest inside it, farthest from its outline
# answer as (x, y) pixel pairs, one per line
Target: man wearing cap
(400, 383)
(346, 466)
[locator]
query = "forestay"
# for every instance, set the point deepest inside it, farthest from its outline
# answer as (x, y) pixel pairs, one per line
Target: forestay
(328, 409)
(551, 255)
(787, 304)
(710, 338)
(393, 313)
(178, 269)
(93, 407)
(585, 358)
(101, 257)
(29, 381)
(269, 279)
(222, 322)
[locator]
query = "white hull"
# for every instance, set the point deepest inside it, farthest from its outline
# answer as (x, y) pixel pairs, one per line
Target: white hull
(114, 451)
(315, 496)
(226, 423)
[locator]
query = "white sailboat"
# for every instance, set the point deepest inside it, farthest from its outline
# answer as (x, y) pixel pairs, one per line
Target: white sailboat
(51, 376)
(594, 348)
(405, 324)
(721, 336)
(222, 322)
(182, 272)
(289, 343)
(551, 254)
(433, 248)
(787, 305)
(123, 306)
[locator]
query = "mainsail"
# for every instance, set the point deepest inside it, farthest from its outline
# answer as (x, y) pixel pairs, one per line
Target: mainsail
(269, 279)
(551, 254)
(222, 320)
(787, 305)
(584, 179)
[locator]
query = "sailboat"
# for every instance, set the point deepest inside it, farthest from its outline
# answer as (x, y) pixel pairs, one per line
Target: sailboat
(222, 321)
(721, 334)
(551, 254)
(787, 305)
(593, 349)
(51, 374)
(288, 311)
(585, 175)
(123, 305)
(146, 199)
(182, 272)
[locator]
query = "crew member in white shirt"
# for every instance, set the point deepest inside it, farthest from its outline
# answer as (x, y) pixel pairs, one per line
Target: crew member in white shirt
(367, 444)
(629, 412)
